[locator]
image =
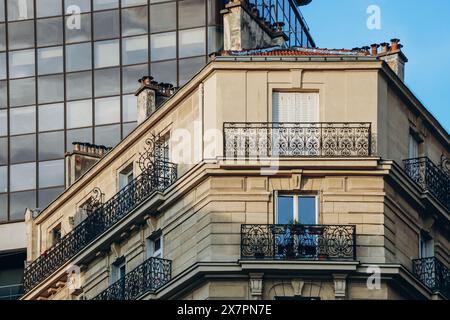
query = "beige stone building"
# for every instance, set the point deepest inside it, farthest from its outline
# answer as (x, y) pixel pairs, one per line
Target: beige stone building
(276, 173)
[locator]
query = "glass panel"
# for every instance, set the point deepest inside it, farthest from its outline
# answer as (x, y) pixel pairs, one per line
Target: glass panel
(165, 71)
(307, 210)
(79, 85)
(105, 4)
(3, 207)
(21, 35)
(23, 176)
(51, 88)
(22, 120)
(130, 76)
(3, 151)
(3, 179)
(51, 117)
(192, 42)
(23, 148)
(51, 173)
(2, 37)
(47, 8)
(128, 127)
(191, 13)
(78, 30)
(134, 21)
(189, 67)
(79, 114)
(129, 112)
(3, 94)
(49, 32)
(51, 145)
(20, 9)
(79, 135)
(3, 123)
(106, 53)
(163, 17)
(107, 110)
(135, 50)
(107, 82)
(215, 39)
(19, 202)
(214, 16)
(46, 196)
(128, 3)
(2, 10)
(21, 63)
(163, 46)
(107, 135)
(106, 24)
(2, 65)
(78, 57)
(50, 60)
(285, 210)
(80, 5)
(22, 92)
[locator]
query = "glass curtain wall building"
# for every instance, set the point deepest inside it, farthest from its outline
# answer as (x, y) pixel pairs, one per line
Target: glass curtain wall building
(68, 70)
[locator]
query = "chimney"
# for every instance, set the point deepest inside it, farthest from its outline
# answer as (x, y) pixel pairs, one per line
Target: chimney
(81, 159)
(245, 29)
(375, 49)
(150, 96)
(394, 57)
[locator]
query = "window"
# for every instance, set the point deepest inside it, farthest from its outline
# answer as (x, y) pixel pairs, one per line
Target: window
(51, 88)
(48, 195)
(3, 207)
(51, 117)
(129, 76)
(51, 145)
(20, 9)
(125, 176)
(189, 67)
(107, 110)
(3, 179)
(49, 32)
(106, 25)
(21, 35)
(118, 271)
(22, 92)
(3, 95)
(84, 5)
(135, 50)
(191, 13)
(79, 85)
(19, 201)
(106, 53)
(155, 247)
(22, 120)
(2, 37)
(50, 60)
(426, 249)
(134, 21)
(105, 4)
(215, 39)
(51, 173)
(127, 128)
(23, 176)
(413, 150)
(3, 152)
(108, 136)
(23, 148)
(296, 209)
(56, 234)
(79, 114)
(192, 42)
(129, 112)
(2, 65)
(21, 63)
(47, 8)
(3, 123)
(163, 17)
(107, 82)
(163, 46)
(295, 107)
(2, 10)
(79, 34)
(78, 57)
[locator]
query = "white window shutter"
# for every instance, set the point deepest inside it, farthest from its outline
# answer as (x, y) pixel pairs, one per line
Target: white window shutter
(295, 107)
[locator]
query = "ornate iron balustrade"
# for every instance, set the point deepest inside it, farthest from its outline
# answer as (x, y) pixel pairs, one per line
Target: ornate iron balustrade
(430, 177)
(259, 140)
(298, 242)
(158, 177)
(434, 274)
(147, 277)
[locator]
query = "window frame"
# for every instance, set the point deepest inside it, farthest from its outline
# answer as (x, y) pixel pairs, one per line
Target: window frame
(151, 241)
(296, 196)
(125, 171)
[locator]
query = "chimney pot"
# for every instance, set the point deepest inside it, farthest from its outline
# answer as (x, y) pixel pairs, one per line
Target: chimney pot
(375, 49)
(395, 44)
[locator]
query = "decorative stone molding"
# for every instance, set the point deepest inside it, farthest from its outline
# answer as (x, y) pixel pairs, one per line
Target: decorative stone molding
(297, 285)
(340, 286)
(256, 285)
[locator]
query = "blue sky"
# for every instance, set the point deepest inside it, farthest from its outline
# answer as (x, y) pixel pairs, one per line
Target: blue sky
(422, 26)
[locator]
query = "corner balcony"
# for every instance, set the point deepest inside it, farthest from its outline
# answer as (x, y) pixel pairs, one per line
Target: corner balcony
(433, 274)
(331, 139)
(298, 242)
(430, 177)
(146, 278)
(158, 178)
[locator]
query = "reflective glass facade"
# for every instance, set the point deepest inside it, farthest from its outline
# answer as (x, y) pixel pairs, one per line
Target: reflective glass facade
(68, 70)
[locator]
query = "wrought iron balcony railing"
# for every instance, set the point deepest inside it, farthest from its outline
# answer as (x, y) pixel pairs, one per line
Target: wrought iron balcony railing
(430, 177)
(434, 274)
(147, 277)
(298, 242)
(259, 140)
(157, 178)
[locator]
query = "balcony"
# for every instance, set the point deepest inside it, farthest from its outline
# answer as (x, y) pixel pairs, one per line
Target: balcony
(158, 178)
(433, 274)
(146, 278)
(298, 242)
(261, 140)
(430, 178)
